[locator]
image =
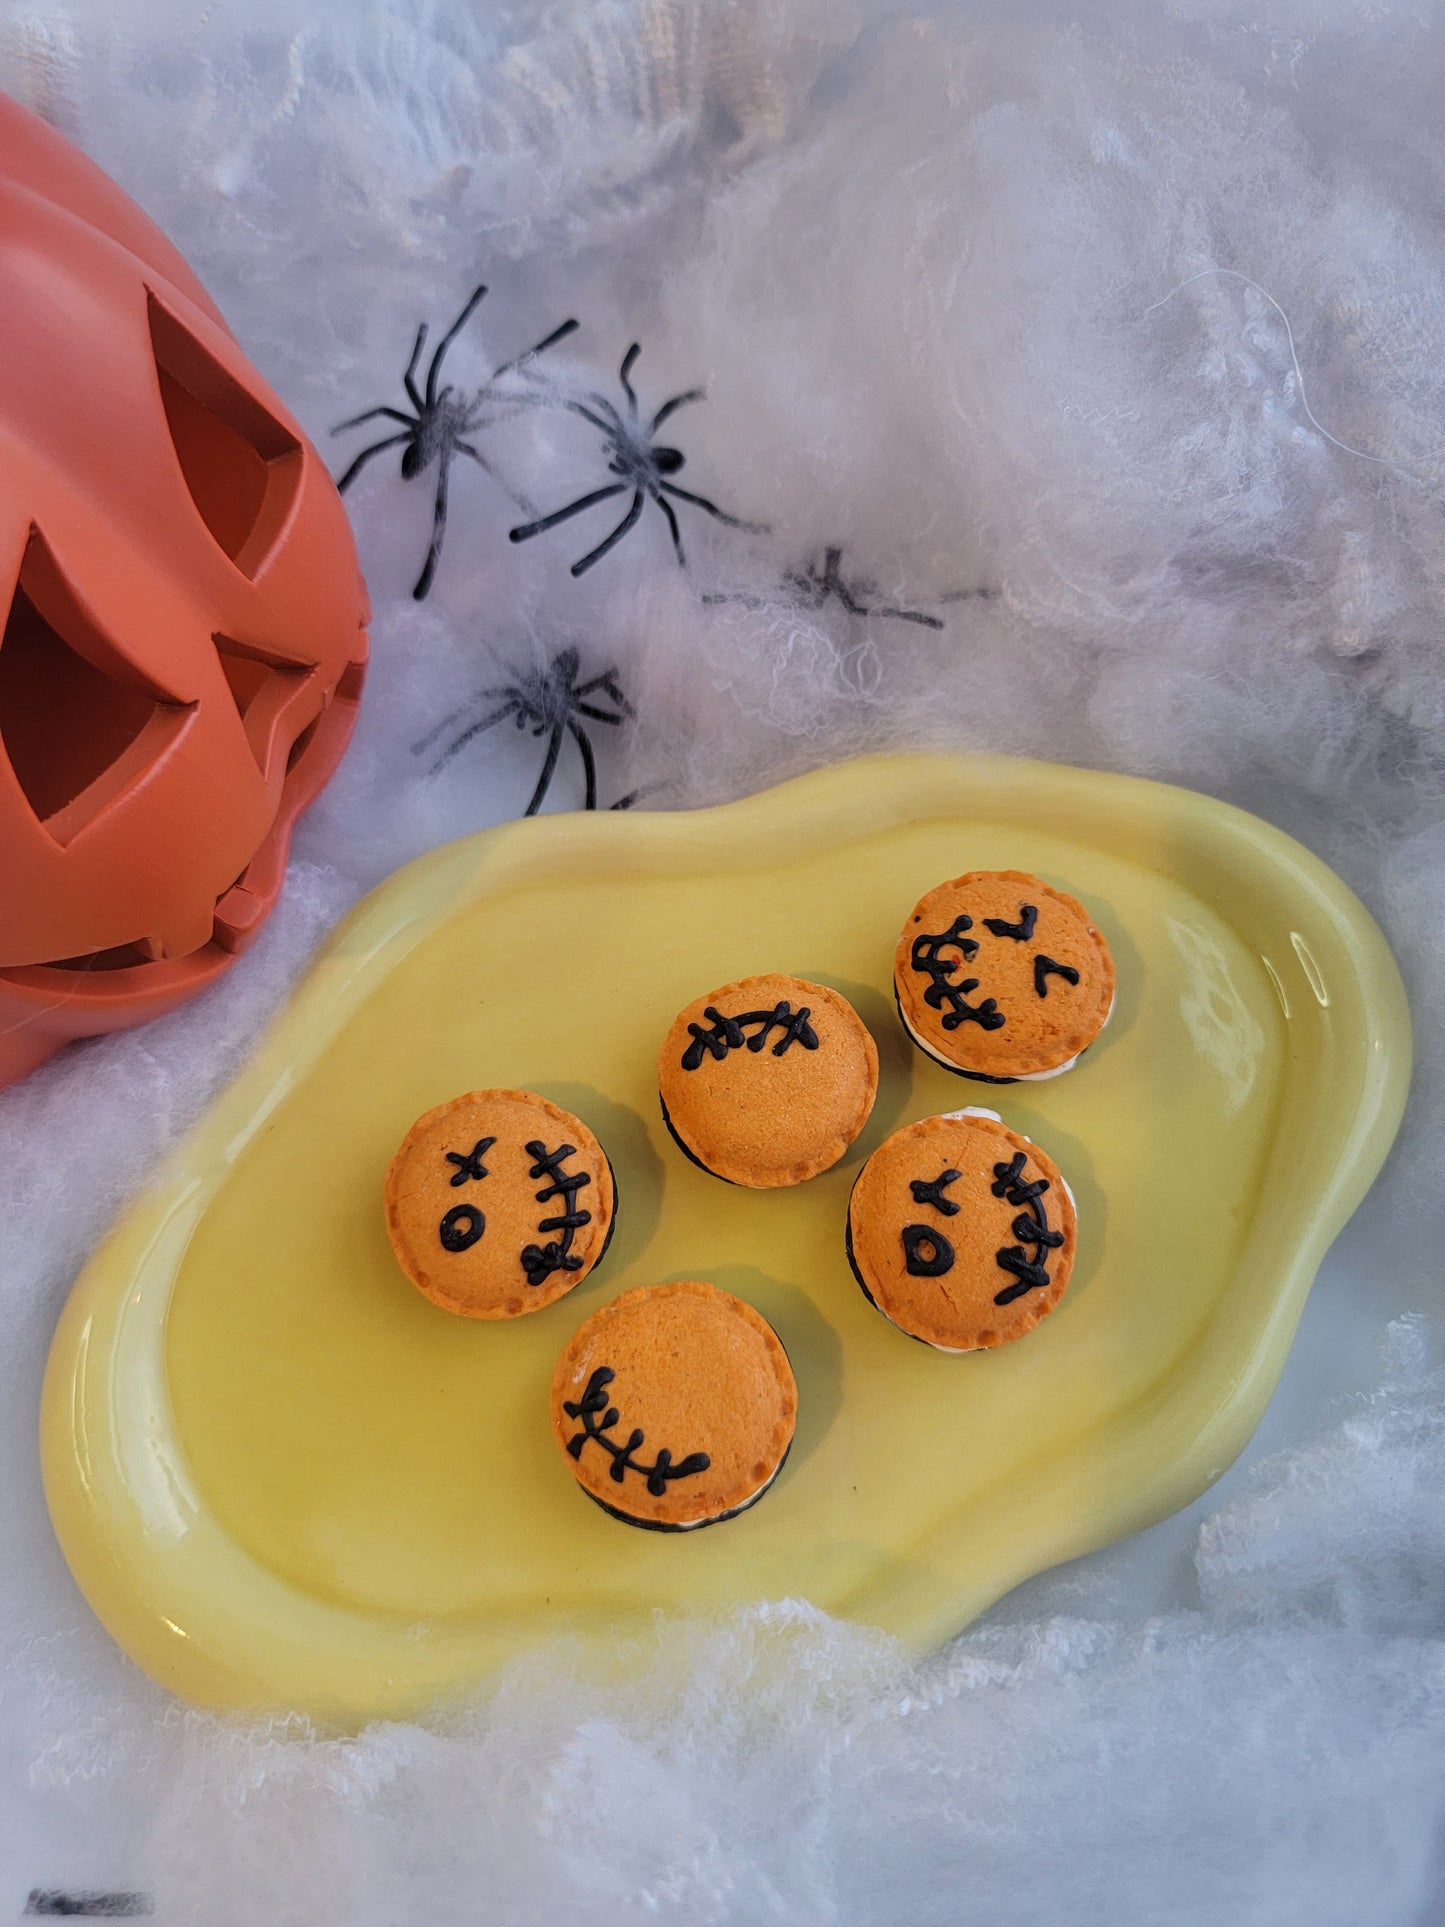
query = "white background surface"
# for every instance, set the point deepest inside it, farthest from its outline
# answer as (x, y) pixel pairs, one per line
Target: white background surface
(952, 280)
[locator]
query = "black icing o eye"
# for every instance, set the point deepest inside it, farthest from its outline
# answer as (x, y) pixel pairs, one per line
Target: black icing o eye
(927, 1254)
(460, 1229)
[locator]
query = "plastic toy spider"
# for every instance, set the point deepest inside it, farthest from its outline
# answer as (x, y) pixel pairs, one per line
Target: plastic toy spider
(641, 466)
(549, 699)
(810, 587)
(443, 421)
(814, 586)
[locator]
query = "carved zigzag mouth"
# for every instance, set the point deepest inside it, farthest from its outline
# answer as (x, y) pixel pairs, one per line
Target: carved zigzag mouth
(242, 907)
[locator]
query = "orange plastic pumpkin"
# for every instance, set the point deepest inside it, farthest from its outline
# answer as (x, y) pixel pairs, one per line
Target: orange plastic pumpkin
(185, 640)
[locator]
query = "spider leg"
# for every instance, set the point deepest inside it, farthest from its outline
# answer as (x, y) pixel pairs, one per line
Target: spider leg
(914, 615)
(666, 508)
(365, 456)
(627, 361)
(607, 680)
(392, 414)
(832, 582)
(461, 741)
(438, 528)
(610, 687)
(448, 338)
(424, 743)
(589, 764)
(544, 780)
(561, 515)
(530, 354)
(409, 378)
(482, 463)
(671, 408)
(609, 429)
(611, 541)
(599, 715)
(701, 502)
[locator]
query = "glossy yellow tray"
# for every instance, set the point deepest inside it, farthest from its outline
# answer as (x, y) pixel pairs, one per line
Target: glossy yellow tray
(282, 1478)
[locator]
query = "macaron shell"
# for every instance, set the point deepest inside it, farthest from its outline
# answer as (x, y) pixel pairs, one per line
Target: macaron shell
(697, 1371)
(765, 1119)
(956, 1311)
(487, 1279)
(1041, 1032)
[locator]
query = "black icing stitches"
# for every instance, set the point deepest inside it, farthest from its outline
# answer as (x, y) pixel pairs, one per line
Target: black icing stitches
(1045, 967)
(925, 959)
(659, 1475)
(1030, 1227)
(1022, 931)
(540, 1261)
(726, 1033)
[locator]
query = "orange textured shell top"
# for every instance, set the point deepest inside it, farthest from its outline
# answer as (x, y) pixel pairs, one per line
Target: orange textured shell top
(767, 1081)
(999, 976)
(498, 1203)
(962, 1232)
(674, 1406)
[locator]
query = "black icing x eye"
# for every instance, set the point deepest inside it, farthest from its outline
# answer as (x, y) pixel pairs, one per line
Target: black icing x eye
(241, 466)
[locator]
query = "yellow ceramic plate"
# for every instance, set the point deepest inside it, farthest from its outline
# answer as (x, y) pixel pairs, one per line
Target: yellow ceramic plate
(283, 1478)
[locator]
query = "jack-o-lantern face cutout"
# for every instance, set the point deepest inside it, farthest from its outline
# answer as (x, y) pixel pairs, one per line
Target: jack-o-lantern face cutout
(1000, 977)
(183, 643)
(498, 1203)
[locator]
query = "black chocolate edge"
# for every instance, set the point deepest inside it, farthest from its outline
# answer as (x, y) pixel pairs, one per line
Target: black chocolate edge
(692, 1158)
(612, 1224)
(699, 1525)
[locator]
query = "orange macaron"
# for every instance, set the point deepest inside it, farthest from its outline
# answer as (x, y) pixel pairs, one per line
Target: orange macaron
(1001, 977)
(674, 1406)
(498, 1203)
(961, 1232)
(767, 1081)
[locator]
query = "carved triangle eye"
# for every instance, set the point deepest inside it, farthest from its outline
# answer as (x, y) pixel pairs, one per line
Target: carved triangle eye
(79, 724)
(241, 466)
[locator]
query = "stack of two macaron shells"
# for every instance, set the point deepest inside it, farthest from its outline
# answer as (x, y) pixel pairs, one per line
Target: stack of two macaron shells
(675, 1404)
(960, 1231)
